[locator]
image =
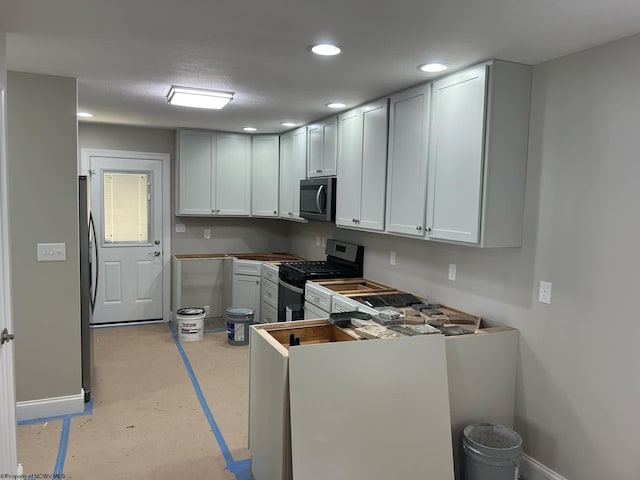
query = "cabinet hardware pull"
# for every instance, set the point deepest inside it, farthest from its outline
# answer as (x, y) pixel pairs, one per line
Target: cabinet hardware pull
(318, 171)
(428, 229)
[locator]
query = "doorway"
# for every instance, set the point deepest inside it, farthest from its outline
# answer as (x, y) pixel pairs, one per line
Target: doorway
(129, 194)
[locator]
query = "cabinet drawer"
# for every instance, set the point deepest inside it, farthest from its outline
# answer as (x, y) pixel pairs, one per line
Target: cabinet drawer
(343, 304)
(269, 313)
(270, 272)
(270, 292)
(318, 296)
(247, 267)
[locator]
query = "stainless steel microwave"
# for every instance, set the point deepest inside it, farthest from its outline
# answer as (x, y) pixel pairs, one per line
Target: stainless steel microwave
(318, 199)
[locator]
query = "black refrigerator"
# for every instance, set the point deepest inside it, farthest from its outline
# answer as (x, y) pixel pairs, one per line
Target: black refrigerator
(88, 283)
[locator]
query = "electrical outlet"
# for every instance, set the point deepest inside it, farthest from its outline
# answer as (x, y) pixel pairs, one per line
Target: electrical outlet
(180, 228)
(452, 272)
(52, 252)
(207, 310)
(392, 258)
(207, 233)
(318, 242)
(544, 293)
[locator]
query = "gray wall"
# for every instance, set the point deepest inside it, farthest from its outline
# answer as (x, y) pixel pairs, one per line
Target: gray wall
(227, 234)
(43, 207)
(578, 391)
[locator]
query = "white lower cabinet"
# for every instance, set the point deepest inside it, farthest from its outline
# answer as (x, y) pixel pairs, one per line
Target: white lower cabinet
(245, 290)
(269, 293)
(331, 406)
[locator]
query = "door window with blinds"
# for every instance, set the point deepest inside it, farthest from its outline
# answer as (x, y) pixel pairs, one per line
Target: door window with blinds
(126, 205)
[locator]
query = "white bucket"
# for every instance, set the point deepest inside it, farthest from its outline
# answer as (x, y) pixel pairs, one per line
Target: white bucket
(190, 324)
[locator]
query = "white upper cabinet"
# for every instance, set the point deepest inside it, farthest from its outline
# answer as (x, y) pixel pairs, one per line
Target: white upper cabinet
(293, 167)
(233, 174)
(407, 168)
(362, 163)
(477, 155)
(213, 173)
(323, 147)
(195, 172)
(265, 157)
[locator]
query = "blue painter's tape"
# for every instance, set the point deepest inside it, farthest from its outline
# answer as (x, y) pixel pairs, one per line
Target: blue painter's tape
(62, 448)
(241, 469)
(203, 403)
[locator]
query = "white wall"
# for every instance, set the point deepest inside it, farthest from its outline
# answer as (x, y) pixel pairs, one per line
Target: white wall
(578, 390)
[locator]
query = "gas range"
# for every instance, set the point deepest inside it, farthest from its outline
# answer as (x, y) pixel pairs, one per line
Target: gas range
(344, 260)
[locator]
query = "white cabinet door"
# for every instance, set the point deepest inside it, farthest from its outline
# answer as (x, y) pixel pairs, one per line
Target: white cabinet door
(323, 146)
(407, 169)
(233, 174)
(374, 165)
(293, 168)
(246, 293)
(455, 166)
(349, 181)
(362, 167)
(264, 166)
(195, 172)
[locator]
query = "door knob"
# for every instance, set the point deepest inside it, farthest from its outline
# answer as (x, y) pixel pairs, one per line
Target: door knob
(5, 336)
(155, 254)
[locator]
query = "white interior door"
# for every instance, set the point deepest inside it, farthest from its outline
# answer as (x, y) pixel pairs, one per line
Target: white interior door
(126, 202)
(8, 455)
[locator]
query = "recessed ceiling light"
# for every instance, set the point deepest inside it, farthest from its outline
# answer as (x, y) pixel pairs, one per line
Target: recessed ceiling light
(85, 115)
(289, 124)
(325, 49)
(198, 97)
(250, 129)
(336, 105)
(432, 67)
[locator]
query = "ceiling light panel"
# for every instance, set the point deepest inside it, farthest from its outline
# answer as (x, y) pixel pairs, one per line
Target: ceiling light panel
(336, 105)
(198, 97)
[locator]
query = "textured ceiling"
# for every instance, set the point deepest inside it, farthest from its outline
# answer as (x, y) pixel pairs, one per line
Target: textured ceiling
(126, 54)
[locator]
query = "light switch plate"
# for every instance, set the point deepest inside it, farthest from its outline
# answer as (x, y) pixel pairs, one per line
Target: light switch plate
(544, 293)
(52, 252)
(392, 258)
(207, 233)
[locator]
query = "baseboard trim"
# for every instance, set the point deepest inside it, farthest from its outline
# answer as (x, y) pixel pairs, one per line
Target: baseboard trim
(531, 469)
(50, 407)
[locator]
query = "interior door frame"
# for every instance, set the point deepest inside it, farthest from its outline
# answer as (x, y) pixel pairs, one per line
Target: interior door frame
(85, 163)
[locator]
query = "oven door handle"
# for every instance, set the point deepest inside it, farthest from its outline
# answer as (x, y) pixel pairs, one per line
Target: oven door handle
(290, 287)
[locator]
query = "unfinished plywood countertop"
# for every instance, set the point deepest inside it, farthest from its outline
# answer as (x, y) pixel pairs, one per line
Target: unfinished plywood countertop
(259, 257)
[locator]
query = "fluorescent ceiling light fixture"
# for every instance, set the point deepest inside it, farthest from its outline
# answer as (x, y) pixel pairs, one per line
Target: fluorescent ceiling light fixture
(336, 105)
(289, 124)
(250, 129)
(325, 49)
(85, 114)
(198, 97)
(432, 67)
